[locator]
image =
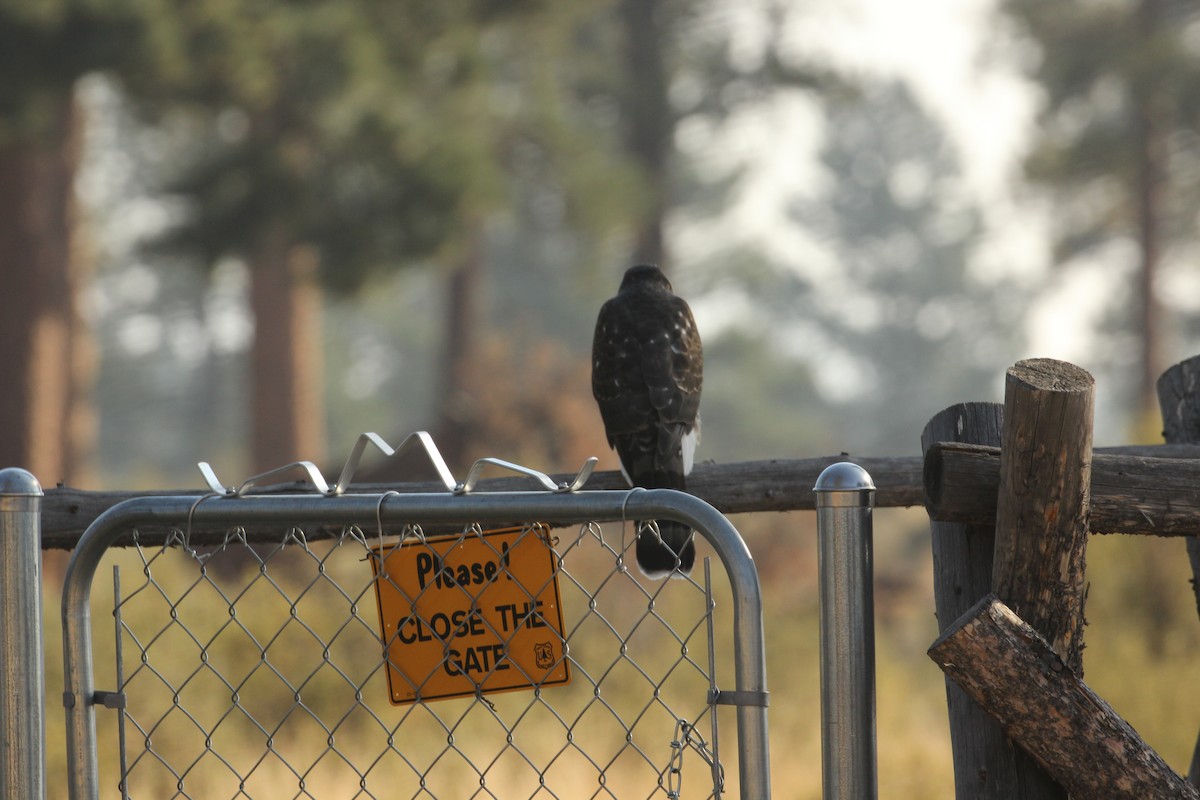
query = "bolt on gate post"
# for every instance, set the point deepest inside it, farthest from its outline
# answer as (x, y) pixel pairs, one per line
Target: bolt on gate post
(845, 499)
(22, 674)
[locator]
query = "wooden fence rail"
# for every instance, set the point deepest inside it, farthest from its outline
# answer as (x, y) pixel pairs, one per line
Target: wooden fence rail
(736, 488)
(750, 486)
(1129, 493)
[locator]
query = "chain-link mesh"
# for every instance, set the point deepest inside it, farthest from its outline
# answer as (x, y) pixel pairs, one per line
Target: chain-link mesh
(266, 671)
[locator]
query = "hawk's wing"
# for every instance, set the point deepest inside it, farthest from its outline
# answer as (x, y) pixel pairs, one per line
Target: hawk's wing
(673, 368)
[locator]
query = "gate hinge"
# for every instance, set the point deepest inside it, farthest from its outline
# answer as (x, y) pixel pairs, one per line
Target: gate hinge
(106, 699)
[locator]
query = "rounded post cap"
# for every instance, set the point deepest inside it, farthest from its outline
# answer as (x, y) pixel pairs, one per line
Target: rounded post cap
(18, 482)
(844, 477)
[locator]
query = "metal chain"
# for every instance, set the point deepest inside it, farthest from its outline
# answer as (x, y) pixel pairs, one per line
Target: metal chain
(686, 736)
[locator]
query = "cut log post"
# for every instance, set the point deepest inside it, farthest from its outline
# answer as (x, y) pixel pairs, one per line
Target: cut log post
(1129, 493)
(1179, 399)
(986, 764)
(1044, 706)
(1042, 510)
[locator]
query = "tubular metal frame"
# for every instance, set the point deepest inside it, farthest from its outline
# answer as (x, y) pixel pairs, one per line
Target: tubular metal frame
(22, 657)
(370, 510)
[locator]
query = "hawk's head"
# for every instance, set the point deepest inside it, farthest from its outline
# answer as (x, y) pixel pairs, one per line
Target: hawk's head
(644, 276)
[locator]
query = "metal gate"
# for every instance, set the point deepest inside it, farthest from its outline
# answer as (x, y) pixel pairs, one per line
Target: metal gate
(264, 666)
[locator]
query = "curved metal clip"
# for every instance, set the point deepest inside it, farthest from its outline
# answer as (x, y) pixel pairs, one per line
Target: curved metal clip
(581, 477)
(351, 464)
(210, 478)
(477, 469)
(545, 480)
(420, 439)
(310, 470)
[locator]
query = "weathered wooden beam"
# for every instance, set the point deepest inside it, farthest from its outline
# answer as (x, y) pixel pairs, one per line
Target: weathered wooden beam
(1045, 707)
(1042, 509)
(1129, 493)
(986, 764)
(749, 486)
(1179, 400)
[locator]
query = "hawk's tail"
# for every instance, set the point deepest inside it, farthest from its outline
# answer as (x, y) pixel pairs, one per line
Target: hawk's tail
(665, 548)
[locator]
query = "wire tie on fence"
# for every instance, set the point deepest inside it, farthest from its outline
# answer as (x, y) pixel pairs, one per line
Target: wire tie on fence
(187, 534)
(625, 501)
(542, 531)
(379, 514)
(480, 697)
(755, 699)
(625, 519)
(409, 531)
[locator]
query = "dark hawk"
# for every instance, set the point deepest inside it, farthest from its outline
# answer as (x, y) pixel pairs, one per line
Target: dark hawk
(647, 369)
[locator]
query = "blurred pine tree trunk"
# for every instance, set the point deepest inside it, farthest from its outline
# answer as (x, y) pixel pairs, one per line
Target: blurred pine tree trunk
(457, 406)
(650, 121)
(286, 380)
(1153, 127)
(46, 360)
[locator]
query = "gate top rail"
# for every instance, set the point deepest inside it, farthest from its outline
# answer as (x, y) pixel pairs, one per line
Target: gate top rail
(374, 511)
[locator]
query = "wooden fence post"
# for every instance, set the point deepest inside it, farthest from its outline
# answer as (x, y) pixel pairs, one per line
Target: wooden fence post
(1042, 509)
(986, 764)
(1179, 399)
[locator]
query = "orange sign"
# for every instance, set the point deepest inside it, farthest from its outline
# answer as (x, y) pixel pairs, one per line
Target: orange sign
(470, 614)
